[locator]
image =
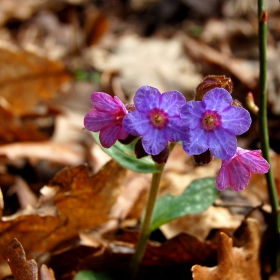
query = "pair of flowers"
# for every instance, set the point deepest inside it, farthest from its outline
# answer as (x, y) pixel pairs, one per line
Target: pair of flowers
(210, 124)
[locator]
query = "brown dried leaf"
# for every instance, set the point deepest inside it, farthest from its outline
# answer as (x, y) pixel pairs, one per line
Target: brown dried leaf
(36, 78)
(11, 9)
(22, 269)
(14, 128)
(183, 248)
(82, 202)
(173, 257)
(63, 153)
(235, 263)
(46, 273)
(236, 67)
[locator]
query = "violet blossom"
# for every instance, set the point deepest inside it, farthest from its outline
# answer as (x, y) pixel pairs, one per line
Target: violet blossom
(213, 124)
(236, 172)
(156, 118)
(106, 117)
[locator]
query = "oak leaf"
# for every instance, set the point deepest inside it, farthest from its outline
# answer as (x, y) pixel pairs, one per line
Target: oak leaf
(234, 263)
(78, 202)
(22, 269)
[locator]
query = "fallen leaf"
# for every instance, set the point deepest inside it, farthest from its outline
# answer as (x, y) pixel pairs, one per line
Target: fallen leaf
(46, 273)
(138, 61)
(63, 153)
(11, 9)
(22, 269)
(173, 257)
(14, 128)
(27, 78)
(82, 202)
(235, 263)
(242, 69)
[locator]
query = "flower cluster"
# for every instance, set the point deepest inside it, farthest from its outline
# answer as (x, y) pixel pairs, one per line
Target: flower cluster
(207, 125)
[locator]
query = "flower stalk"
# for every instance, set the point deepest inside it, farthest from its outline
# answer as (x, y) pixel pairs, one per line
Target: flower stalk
(145, 227)
(263, 126)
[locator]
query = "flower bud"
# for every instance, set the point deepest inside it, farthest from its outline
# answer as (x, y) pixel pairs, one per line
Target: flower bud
(128, 139)
(204, 158)
(139, 150)
(162, 156)
(210, 82)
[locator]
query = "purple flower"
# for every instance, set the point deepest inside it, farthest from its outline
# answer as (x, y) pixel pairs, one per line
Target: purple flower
(213, 123)
(156, 118)
(236, 172)
(106, 117)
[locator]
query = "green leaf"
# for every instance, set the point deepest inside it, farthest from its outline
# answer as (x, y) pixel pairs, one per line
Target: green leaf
(125, 156)
(91, 275)
(197, 197)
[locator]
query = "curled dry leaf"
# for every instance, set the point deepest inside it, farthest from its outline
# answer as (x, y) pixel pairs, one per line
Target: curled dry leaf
(36, 78)
(82, 202)
(22, 269)
(63, 153)
(235, 263)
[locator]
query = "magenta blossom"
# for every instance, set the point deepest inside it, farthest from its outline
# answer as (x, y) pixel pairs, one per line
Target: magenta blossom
(236, 172)
(213, 124)
(156, 118)
(106, 117)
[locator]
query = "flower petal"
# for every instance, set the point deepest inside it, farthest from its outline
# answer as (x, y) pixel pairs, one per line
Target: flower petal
(236, 177)
(154, 141)
(195, 142)
(223, 178)
(222, 144)
(172, 101)
(175, 131)
(102, 101)
(236, 120)
(147, 98)
(217, 99)
(122, 134)
(109, 136)
(121, 105)
(254, 162)
(191, 114)
(95, 120)
(136, 123)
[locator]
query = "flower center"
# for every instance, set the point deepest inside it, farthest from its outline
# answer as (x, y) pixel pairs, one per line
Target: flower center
(158, 118)
(211, 120)
(119, 116)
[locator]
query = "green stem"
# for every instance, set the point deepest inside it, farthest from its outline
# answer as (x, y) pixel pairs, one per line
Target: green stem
(263, 124)
(145, 233)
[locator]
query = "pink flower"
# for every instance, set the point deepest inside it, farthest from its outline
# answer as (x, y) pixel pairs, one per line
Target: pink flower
(106, 117)
(236, 172)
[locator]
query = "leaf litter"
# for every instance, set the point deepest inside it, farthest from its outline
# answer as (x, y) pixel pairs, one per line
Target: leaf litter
(85, 219)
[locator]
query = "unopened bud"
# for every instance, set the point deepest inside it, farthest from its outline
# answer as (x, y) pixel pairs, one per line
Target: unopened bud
(162, 156)
(139, 150)
(128, 139)
(210, 82)
(203, 158)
